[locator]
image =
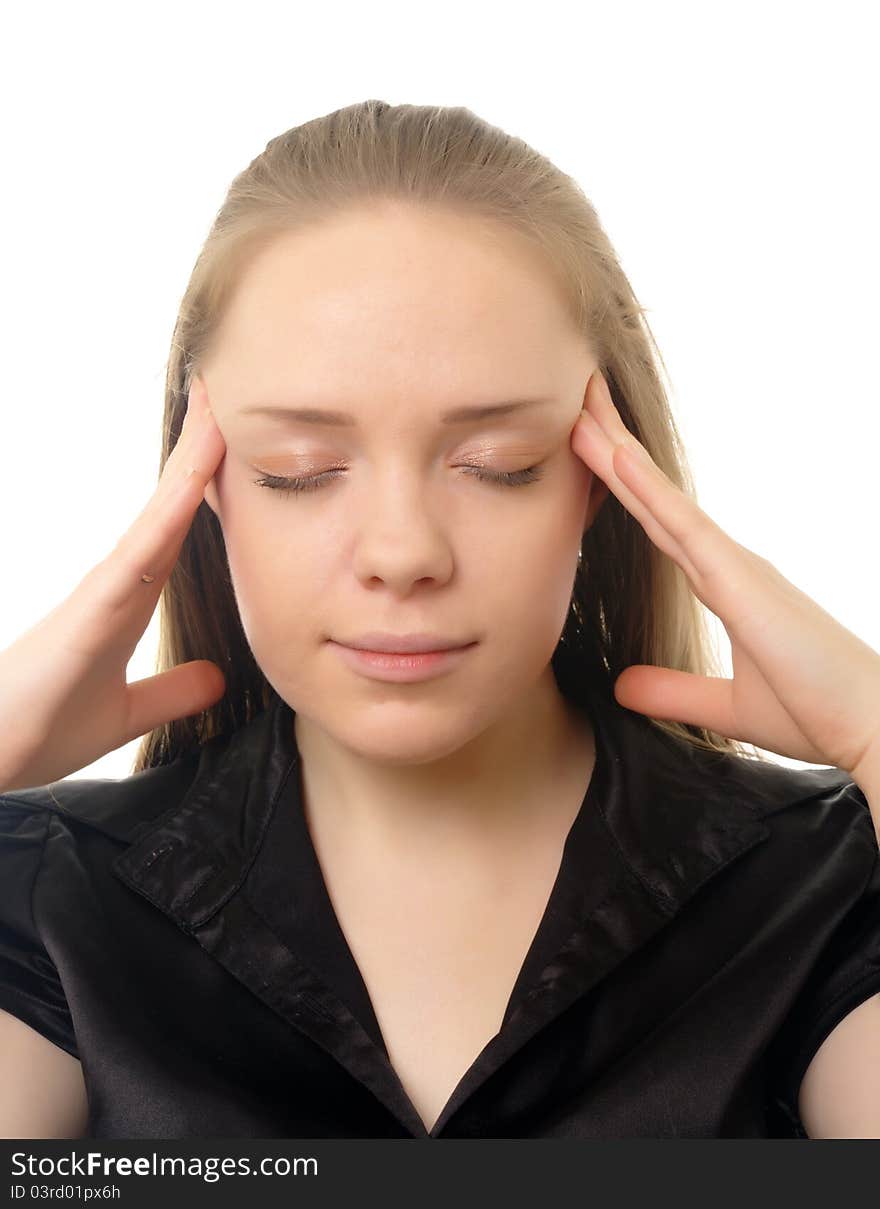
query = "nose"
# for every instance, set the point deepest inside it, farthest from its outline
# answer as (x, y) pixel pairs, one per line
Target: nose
(399, 539)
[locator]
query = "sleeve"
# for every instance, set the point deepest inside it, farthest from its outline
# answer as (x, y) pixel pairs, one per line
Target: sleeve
(846, 973)
(30, 987)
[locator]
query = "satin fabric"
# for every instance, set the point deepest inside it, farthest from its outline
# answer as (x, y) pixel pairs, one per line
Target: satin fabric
(712, 919)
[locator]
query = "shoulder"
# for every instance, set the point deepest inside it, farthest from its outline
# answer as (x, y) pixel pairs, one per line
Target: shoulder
(810, 810)
(795, 805)
(818, 827)
(689, 782)
(684, 814)
(127, 808)
(120, 809)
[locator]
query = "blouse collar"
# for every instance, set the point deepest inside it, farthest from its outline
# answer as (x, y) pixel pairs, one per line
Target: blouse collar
(672, 815)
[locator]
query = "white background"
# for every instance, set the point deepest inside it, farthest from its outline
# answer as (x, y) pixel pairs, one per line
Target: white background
(730, 151)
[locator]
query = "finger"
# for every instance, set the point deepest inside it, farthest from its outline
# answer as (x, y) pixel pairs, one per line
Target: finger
(198, 423)
(672, 519)
(592, 443)
(152, 543)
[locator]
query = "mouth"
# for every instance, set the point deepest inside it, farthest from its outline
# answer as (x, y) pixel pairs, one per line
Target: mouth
(402, 644)
(402, 666)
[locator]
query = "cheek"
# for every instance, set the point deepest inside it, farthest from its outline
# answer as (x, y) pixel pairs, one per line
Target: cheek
(542, 534)
(260, 532)
(529, 569)
(275, 565)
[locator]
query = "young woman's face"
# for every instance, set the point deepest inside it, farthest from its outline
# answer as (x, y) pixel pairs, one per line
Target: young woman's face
(397, 317)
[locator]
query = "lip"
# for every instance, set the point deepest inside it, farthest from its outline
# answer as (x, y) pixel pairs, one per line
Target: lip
(402, 644)
(403, 667)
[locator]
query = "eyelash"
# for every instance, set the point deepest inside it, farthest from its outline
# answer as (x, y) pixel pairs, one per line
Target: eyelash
(512, 478)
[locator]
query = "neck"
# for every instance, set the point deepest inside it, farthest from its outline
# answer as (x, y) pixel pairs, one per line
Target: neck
(491, 794)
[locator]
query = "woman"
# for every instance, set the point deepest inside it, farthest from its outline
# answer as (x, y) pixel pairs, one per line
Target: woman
(444, 822)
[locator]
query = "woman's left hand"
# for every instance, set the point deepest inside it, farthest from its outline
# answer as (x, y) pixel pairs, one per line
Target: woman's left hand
(803, 685)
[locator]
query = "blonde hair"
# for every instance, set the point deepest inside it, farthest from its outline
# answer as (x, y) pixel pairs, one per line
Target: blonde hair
(631, 604)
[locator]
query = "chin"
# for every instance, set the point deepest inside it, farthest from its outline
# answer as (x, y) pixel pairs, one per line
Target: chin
(400, 733)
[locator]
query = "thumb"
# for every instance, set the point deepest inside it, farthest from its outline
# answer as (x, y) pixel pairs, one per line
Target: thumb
(180, 692)
(674, 696)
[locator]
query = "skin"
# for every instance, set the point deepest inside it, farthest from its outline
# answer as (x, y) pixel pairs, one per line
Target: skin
(396, 315)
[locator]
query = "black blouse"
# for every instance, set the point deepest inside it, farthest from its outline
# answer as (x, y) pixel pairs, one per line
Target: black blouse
(712, 920)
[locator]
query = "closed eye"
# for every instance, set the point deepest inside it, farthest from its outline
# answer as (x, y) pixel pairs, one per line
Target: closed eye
(504, 478)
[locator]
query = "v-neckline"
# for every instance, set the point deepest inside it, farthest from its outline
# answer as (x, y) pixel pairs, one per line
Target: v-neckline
(288, 887)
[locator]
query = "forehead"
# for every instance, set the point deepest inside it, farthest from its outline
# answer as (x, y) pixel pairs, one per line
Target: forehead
(429, 293)
(396, 319)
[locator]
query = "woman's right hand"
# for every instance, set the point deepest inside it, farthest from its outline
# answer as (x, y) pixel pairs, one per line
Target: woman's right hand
(64, 700)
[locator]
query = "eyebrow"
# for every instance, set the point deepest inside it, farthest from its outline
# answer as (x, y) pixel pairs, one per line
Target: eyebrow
(458, 415)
